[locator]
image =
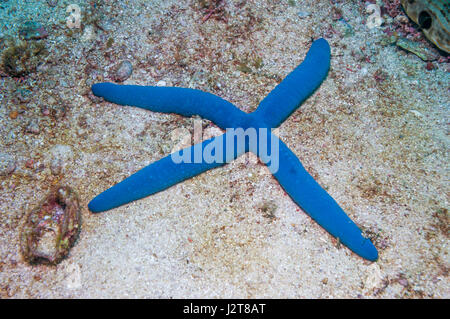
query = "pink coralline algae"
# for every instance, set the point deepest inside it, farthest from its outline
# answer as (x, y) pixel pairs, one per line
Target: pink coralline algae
(391, 7)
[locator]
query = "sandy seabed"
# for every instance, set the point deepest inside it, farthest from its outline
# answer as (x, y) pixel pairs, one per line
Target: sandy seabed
(374, 135)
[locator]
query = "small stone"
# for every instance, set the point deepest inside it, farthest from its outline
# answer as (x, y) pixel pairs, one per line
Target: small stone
(403, 282)
(374, 277)
(88, 33)
(33, 30)
(7, 164)
(61, 152)
(401, 18)
(45, 111)
(13, 114)
(303, 14)
(51, 100)
(29, 163)
(56, 166)
(33, 127)
(161, 83)
(416, 113)
(57, 111)
(123, 71)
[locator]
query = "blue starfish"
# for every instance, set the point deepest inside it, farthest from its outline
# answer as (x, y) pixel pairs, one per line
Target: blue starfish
(271, 112)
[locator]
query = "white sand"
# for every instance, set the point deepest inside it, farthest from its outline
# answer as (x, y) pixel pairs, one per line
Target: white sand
(381, 150)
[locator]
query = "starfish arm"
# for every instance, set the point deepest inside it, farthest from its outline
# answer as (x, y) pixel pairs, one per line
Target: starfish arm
(167, 172)
(317, 203)
(183, 101)
(287, 96)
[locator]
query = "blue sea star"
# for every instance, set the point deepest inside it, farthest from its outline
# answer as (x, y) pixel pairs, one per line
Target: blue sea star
(285, 98)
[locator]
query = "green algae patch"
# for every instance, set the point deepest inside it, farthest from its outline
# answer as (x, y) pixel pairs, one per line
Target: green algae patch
(417, 48)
